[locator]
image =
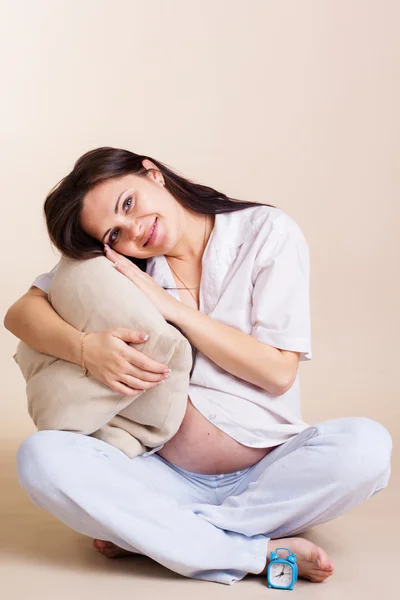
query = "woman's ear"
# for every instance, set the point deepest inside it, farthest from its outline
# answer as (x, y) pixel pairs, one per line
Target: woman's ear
(152, 171)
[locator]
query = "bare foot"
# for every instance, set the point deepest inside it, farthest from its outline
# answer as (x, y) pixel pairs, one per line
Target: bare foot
(110, 550)
(312, 561)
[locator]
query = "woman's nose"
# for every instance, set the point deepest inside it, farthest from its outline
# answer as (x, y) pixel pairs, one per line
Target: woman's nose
(136, 232)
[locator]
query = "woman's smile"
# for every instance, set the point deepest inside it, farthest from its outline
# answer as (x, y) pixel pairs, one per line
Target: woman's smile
(153, 234)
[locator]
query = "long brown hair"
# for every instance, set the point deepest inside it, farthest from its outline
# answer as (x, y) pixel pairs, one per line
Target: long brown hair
(64, 204)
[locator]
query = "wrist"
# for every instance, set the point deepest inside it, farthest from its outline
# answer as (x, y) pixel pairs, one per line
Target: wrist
(75, 347)
(182, 314)
(84, 337)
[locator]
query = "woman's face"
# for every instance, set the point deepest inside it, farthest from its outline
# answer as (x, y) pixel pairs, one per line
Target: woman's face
(121, 213)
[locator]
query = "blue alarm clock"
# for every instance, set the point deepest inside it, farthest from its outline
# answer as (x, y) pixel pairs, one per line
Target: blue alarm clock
(282, 572)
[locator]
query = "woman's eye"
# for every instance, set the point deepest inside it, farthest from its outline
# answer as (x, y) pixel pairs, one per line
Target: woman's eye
(114, 236)
(127, 203)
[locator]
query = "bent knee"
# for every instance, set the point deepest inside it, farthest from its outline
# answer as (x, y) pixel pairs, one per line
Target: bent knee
(37, 458)
(366, 447)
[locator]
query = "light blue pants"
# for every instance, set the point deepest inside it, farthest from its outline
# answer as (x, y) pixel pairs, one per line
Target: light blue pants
(212, 527)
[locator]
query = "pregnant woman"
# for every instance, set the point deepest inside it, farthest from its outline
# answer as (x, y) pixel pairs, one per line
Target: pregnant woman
(244, 470)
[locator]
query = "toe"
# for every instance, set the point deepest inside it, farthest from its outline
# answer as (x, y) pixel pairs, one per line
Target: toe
(318, 576)
(322, 559)
(319, 573)
(329, 566)
(316, 579)
(111, 550)
(106, 548)
(98, 544)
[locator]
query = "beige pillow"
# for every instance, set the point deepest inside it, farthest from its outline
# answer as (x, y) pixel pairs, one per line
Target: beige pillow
(92, 296)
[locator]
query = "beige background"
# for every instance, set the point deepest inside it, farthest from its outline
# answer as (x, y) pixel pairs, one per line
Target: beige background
(295, 103)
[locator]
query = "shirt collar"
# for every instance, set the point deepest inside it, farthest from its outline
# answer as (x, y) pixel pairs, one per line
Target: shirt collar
(230, 231)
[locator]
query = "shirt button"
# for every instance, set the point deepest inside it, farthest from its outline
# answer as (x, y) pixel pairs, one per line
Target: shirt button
(212, 416)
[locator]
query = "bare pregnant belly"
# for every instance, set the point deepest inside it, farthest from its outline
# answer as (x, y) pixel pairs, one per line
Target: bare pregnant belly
(201, 447)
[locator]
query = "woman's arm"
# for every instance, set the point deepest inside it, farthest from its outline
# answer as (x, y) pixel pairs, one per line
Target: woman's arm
(33, 320)
(108, 357)
(237, 352)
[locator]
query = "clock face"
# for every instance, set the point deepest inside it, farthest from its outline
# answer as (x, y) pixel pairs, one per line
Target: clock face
(280, 574)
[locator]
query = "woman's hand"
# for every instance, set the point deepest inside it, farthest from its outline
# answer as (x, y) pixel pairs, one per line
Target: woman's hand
(109, 359)
(166, 304)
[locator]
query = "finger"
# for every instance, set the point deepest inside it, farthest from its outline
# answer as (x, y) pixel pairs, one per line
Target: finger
(112, 253)
(124, 268)
(111, 259)
(138, 384)
(124, 390)
(143, 362)
(129, 336)
(116, 257)
(142, 374)
(135, 357)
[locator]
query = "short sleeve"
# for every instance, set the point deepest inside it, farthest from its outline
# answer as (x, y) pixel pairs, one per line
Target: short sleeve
(281, 292)
(43, 281)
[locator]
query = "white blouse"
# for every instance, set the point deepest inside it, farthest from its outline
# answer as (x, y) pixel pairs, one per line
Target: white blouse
(256, 278)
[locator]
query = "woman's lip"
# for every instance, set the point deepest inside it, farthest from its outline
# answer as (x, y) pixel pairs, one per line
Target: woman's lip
(153, 235)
